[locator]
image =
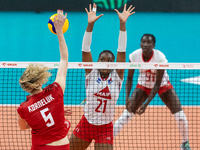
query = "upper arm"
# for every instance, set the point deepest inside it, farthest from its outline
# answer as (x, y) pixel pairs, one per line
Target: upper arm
(121, 57)
(130, 73)
(87, 57)
(62, 73)
(22, 122)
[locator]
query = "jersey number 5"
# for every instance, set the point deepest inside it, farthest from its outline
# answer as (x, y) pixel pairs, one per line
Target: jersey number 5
(104, 108)
(48, 117)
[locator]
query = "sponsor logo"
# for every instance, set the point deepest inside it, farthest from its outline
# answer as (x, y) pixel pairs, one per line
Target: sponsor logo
(99, 80)
(105, 93)
(163, 65)
(77, 129)
(56, 65)
(79, 64)
(156, 65)
(85, 65)
(9, 64)
(188, 66)
(110, 81)
(112, 65)
(133, 65)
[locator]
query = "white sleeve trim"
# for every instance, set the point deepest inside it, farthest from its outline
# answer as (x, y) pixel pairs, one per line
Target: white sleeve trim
(87, 39)
(122, 41)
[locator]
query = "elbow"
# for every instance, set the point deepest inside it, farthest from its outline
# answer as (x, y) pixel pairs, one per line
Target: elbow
(22, 128)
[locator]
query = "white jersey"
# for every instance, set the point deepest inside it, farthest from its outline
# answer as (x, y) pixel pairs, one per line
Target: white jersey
(147, 77)
(102, 95)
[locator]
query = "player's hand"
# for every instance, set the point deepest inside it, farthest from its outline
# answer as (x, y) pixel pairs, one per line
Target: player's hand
(59, 20)
(92, 18)
(67, 112)
(142, 109)
(125, 14)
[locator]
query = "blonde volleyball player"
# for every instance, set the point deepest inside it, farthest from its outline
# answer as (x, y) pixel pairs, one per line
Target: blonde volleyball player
(102, 89)
(43, 110)
(151, 82)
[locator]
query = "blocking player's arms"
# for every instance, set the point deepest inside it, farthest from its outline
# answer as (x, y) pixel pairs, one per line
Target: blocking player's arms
(22, 123)
(122, 40)
(154, 91)
(92, 18)
(63, 66)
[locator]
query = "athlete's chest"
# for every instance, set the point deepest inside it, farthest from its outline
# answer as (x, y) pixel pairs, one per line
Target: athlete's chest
(103, 88)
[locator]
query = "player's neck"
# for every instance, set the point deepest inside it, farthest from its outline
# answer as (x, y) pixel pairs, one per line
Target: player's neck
(147, 56)
(36, 91)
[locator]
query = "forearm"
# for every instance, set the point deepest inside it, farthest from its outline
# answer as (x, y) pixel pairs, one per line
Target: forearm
(90, 27)
(128, 87)
(122, 41)
(122, 26)
(153, 93)
(62, 46)
(87, 39)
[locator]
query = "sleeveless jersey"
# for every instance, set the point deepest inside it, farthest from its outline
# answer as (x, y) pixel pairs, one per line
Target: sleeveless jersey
(44, 112)
(147, 77)
(102, 95)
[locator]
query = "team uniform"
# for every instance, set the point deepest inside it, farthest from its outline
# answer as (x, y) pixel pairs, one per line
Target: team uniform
(44, 112)
(99, 110)
(147, 77)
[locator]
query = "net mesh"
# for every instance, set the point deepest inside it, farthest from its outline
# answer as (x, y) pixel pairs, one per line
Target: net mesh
(156, 129)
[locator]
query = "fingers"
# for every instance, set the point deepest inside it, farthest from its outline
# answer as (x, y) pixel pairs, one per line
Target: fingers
(116, 11)
(129, 8)
(99, 16)
(94, 5)
(68, 112)
(60, 13)
(132, 9)
(125, 7)
(86, 10)
(90, 7)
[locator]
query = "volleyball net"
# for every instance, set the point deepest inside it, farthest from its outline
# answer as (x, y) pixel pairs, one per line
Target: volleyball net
(155, 129)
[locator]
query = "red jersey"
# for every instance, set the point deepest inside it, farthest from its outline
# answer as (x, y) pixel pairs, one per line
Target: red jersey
(44, 112)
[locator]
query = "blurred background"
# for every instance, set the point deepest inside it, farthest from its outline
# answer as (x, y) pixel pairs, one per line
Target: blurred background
(26, 37)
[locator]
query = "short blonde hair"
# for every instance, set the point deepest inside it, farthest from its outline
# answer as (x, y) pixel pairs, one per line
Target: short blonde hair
(34, 75)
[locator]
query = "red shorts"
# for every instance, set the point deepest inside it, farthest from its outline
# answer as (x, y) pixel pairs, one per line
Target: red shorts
(162, 89)
(100, 133)
(48, 147)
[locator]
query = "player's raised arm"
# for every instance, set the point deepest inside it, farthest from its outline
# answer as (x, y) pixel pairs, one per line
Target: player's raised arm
(121, 55)
(62, 70)
(92, 18)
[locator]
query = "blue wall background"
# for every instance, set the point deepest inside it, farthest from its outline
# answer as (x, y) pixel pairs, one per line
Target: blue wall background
(25, 35)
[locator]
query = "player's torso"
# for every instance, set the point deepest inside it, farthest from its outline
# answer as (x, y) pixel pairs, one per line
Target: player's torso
(101, 96)
(45, 111)
(147, 77)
